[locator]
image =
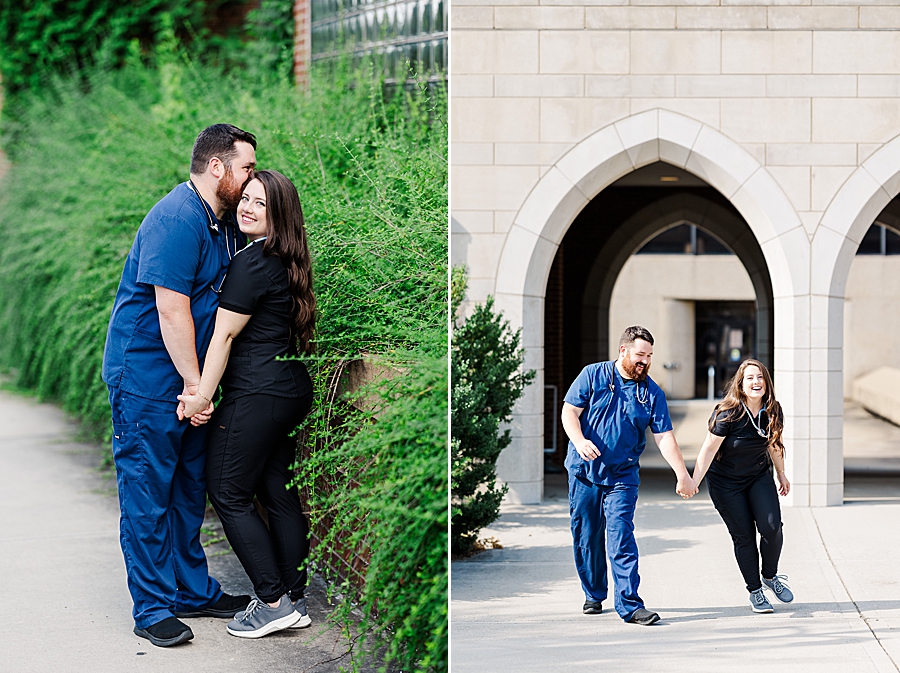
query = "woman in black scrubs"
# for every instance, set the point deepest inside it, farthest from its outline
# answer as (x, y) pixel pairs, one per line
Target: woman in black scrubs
(742, 445)
(266, 311)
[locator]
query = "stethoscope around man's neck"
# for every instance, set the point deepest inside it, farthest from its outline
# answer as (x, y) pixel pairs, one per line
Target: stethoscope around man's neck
(637, 386)
(213, 223)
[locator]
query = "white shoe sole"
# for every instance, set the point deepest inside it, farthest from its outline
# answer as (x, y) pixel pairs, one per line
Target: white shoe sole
(302, 623)
(762, 611)
(276, 625)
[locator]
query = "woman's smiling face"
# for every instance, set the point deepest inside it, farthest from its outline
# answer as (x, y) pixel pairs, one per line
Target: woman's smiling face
(754, 384)
(251, 211)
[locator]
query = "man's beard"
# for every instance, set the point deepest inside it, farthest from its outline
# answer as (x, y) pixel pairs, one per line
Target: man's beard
(634, 370)
(228, 191)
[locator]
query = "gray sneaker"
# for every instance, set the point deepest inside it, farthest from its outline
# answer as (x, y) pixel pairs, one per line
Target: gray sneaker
(300, 607)
(260, 620)
(779, 588)
(759, 603)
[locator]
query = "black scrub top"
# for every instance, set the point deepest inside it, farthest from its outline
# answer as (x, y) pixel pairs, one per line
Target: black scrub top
(257, 285)
(744, 453)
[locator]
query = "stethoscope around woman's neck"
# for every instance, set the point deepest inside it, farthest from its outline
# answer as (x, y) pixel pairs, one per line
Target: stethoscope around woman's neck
(757, 426)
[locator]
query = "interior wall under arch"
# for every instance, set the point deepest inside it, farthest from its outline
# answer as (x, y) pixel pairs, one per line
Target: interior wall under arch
(703, 207)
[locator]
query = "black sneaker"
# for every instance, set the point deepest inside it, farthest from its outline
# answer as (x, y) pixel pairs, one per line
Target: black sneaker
(592, 608)
(168, 632)
(643, 617)
(225, 607)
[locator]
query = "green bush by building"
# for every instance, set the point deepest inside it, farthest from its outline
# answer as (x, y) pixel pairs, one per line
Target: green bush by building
(485, 368)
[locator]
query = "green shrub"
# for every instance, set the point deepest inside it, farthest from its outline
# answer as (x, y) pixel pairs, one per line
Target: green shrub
(392, 519)
(91, 155)
(485, 365)
(66, 36)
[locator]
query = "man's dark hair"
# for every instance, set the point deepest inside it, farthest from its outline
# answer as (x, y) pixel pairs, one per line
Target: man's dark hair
(217, 141)
(633, 333)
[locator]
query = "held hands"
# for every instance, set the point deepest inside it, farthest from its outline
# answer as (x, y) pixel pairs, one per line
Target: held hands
(685, 487)
(192, 405)
(784, 486)
(587, 449)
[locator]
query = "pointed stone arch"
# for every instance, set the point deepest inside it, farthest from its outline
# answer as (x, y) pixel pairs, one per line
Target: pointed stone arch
(713, 217)
(833, 248)
(567, 187)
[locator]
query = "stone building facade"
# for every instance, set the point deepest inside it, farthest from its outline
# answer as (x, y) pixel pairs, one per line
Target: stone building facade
(787, 114)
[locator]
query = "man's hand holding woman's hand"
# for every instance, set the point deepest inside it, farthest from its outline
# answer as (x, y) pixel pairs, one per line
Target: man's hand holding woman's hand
(685, 487)
(192, 405)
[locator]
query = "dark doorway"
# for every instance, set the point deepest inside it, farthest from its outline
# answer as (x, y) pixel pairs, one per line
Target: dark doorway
(594, 250)
(726, 335)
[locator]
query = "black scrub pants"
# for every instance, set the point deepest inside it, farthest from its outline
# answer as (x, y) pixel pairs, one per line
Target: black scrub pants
(748, 506)
(250, 453)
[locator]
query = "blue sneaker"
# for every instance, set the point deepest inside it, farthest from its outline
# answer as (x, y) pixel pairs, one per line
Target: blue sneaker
(759, 603)
(777, 585)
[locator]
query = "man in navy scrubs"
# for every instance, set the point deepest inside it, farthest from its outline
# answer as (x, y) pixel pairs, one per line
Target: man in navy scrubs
(161, 325)
(605, 414)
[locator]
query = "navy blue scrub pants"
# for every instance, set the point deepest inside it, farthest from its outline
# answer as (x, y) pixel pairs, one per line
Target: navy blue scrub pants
(603, 521)
(160, 471)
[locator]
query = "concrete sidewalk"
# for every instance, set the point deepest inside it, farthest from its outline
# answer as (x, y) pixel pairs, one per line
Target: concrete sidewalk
(518, 609)
(65, 603)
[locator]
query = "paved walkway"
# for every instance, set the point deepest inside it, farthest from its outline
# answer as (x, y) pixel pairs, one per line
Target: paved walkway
(62, 579)
(518, 609)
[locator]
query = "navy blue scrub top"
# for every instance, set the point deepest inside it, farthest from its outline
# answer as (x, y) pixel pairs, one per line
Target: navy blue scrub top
(175, 249)
(615, 421)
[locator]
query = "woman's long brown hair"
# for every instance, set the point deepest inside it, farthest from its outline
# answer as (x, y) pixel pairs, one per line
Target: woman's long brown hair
(286, 240)
(734, 396)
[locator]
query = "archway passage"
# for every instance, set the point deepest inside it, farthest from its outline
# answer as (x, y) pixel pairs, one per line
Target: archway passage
(642, 207)
(871, 410)
(613, 152)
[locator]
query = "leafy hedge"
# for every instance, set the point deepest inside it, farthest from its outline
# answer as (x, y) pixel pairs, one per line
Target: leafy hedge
(64, 36)
(92, 154)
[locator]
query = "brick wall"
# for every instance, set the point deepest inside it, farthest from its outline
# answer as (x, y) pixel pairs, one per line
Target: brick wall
(302, 39)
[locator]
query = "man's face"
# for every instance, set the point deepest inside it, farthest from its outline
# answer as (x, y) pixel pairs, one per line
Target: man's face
(237, 174)
(636, 359)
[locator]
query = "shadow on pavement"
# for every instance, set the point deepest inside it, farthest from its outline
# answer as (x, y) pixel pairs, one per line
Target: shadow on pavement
(795, 610)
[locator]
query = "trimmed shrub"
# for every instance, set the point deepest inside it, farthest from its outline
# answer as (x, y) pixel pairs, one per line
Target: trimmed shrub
(485, 364)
